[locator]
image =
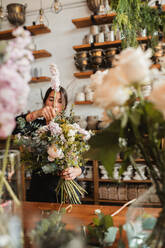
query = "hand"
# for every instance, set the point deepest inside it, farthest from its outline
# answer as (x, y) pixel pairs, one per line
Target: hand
(71, 173)
(48, 113)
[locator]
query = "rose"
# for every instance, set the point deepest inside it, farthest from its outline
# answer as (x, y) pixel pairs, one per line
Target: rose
(54, 153)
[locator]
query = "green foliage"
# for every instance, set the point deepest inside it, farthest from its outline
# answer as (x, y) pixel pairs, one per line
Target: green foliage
(51, 232)
(133, 16)
(102, 231)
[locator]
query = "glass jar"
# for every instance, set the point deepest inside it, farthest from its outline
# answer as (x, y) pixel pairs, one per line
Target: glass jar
(11, 234)
(12, 175)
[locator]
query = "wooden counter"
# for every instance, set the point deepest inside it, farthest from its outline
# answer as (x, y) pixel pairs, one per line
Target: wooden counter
(79, 215)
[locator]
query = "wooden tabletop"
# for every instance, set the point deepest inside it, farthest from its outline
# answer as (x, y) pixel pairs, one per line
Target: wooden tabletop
(78, 214)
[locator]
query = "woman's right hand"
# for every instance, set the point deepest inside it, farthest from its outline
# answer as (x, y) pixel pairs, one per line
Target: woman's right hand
(48, 113)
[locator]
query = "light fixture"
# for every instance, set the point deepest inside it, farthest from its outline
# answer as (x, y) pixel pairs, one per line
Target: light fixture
(56, 6)
(42, 19)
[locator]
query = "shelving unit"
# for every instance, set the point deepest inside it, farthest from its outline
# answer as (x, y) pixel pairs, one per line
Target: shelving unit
(99, 20)
(95, 180)
(83, 102)
(105, 44)
(34, 30)
(87, 74)
(41, 54)
(40, 79)
(96, 19)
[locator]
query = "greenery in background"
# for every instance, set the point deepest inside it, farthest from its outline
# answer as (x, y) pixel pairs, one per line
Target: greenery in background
(101, 231)
(133, 16)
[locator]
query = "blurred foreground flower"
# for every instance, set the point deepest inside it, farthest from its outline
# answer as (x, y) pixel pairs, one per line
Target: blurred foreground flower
(139, 122)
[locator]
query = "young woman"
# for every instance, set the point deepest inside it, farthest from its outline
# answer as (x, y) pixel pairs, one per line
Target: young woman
(42, 186)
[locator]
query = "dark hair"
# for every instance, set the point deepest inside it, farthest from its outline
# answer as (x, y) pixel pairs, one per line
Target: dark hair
(63, 96)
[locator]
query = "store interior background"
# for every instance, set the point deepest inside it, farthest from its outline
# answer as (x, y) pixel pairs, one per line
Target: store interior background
(59, 42)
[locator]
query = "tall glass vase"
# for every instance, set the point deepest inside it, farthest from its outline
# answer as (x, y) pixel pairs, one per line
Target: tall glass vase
(145, 226)
(10, 199)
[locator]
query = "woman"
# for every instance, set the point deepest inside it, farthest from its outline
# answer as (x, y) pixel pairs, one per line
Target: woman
(42, 187)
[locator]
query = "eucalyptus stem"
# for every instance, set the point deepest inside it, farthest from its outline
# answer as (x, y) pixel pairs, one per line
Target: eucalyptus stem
(2, 174)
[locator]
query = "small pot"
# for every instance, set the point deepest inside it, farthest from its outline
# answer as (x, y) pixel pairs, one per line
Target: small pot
(82, 54)
(16, 13)
(110, 51)
(94, 5)
(96, 52)
(81, 63)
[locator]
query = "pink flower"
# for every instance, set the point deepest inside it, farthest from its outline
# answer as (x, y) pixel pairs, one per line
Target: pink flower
(7, 124)
(55, 81)
(54, 128)
(54, 153)
(14, 78)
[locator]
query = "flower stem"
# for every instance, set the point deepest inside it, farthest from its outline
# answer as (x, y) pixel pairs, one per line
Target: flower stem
(2, 175)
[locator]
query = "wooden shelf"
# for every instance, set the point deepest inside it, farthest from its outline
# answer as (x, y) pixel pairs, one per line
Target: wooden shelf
(157, 66)
(41, 54)
(83, 74)
(97, 19)
(34, 30)
(123, 202)
(83, 102)
(103, 44)
(40, 79)
(87, 199)
(87, 74)
(124, 181)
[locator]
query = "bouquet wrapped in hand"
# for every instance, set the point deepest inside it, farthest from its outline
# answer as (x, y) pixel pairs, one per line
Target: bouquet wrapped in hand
(54, 148)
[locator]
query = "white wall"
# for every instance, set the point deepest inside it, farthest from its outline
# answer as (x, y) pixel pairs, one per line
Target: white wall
(59, 42)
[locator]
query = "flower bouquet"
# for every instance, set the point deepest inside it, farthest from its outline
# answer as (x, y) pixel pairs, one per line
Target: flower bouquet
(55, 147)
(135, 122)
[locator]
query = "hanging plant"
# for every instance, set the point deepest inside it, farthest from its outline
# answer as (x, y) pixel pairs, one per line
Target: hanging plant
(132, 16)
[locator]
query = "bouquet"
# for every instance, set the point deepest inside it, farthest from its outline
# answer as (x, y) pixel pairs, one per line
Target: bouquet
(55, 147)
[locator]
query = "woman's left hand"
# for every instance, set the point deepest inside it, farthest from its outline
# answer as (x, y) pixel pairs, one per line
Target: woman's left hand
(71, 173)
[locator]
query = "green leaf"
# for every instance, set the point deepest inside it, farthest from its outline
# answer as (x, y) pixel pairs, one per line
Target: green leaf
(107, 221)
(110, 235)
(96, 221)
(108, 158)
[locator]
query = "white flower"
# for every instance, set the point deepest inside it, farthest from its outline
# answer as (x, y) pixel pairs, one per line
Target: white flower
(72, 132)
(42, 129)
(97, 79)
(54, 128)
(54, 152)
(112, 92)
(97, 211)
(55, 81)
(135, 64)
(157, 95)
